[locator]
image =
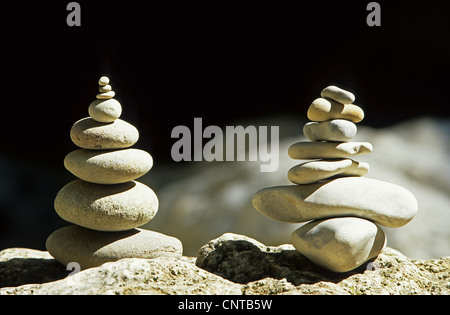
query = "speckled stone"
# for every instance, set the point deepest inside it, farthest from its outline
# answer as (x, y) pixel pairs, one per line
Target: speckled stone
(106, 207)
(90, 134)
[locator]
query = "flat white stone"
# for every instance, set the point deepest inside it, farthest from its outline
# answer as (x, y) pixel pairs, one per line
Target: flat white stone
(311, 172)
(339, 244)
(332, 130)
(103, 81)
(108, 166)
(104, 89)
(117, 207)
(328, 150)
(337, 94)
(91, 248)
(384, 203)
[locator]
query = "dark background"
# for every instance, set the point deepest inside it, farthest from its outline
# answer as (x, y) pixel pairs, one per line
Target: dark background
(220, 60)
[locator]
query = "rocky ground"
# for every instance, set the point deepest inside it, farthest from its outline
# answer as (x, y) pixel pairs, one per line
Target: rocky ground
(231, 264)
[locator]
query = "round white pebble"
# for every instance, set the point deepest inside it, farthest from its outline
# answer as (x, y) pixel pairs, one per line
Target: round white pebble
(103, 81)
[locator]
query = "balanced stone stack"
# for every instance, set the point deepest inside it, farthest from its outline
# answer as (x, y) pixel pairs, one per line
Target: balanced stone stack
(106, 204)
(343, 207)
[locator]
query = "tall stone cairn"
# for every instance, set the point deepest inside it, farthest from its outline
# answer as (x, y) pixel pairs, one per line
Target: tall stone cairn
(106, 204)
(344, 208)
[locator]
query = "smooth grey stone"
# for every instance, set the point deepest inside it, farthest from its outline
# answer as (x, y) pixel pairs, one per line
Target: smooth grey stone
(384, 203)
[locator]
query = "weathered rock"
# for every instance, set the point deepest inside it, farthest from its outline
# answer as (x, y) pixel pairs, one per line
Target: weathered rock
(282, 270)
(91, 248)
(311, 172)
(116, 207)
(326, 109)
(108, 166)
(327, 150)
(90, 134)
(333, 130)
(339, 244)
(384, 203)
(20, 266)
(337, 94)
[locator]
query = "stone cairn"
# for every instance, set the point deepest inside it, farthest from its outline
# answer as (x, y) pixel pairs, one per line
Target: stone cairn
(105, 203)
(343, 207)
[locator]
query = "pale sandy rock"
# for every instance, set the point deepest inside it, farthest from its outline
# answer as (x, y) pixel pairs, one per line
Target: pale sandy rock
(327, 150)
(105, 110)
(260, 269)
(106, 95)
(311, 172)
(108, 166)
(90, 134)
(106, 207)
(325, 109)
(91, 248)
(333, 130)
(337, 94)
(339, 244)
(384, 203)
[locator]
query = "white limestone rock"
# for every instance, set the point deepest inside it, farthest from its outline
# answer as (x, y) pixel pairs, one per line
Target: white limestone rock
(339, 244)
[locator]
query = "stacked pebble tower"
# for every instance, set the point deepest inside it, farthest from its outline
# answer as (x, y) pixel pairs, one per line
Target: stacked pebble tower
(343, 207)
(105, 203)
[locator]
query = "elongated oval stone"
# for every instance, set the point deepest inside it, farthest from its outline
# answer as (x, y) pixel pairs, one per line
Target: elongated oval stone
(339, 244)
(384, 203)
(91, 248)
(106, 207)
(326, 109)
(328, 150)
(332, 130)
(311, 172)
(90, 134)
(337, 94)
(108, 167)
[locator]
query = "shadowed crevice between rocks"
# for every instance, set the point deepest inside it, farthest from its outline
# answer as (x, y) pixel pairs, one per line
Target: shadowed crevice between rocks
(244, 261)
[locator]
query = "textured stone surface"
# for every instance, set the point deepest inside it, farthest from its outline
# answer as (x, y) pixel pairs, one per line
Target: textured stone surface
(90, 134)
(384, 203)
(282, 270)
(116, 207)
(91, 248)
(333, 130)
(105, 110)
(339, 244)
(328, 150)
(326, 109)
(108, 166)
(311, 172)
